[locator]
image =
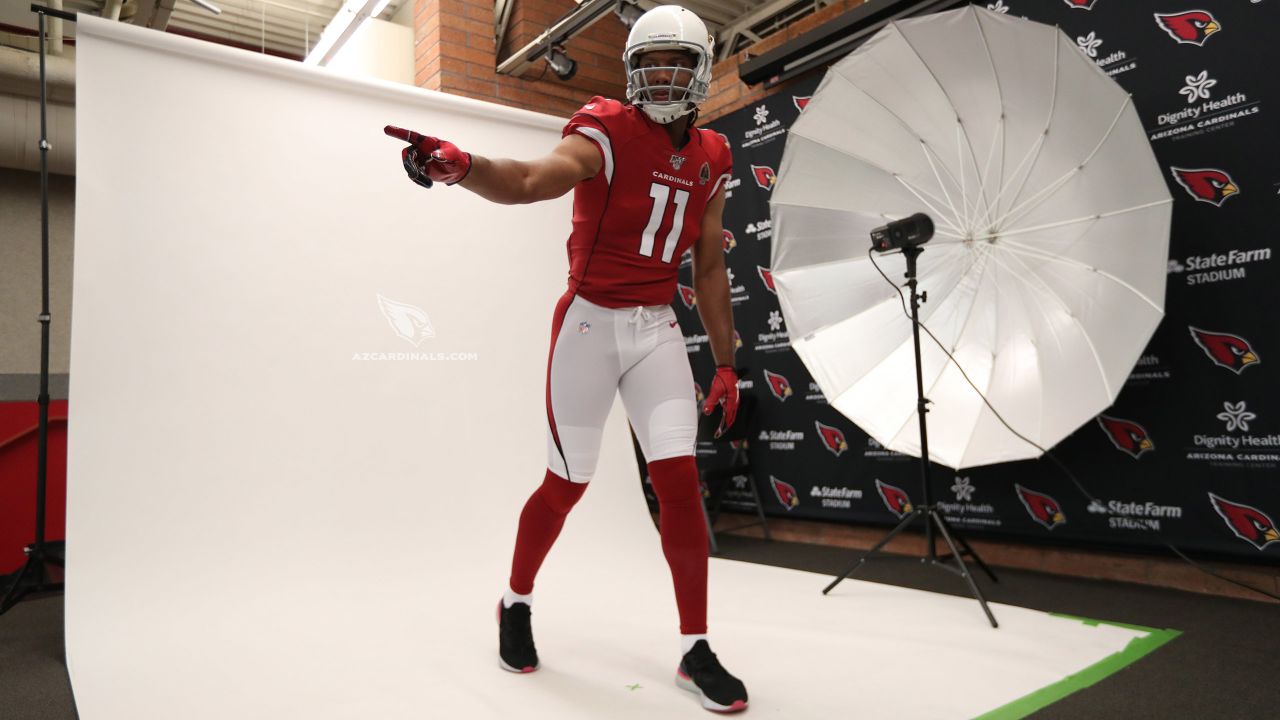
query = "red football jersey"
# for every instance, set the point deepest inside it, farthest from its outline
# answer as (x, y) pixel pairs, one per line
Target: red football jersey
(634, 220)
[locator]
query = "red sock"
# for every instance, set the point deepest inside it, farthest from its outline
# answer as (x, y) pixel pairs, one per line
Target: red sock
(540, 525)
(684, 537)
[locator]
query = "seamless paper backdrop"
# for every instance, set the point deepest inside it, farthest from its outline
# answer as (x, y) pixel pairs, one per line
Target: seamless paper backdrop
(252, 451)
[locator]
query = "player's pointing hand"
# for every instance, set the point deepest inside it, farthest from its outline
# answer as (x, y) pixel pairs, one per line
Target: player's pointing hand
(429, 159)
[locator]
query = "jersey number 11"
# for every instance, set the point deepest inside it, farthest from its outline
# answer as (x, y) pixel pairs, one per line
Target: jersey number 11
(660, 194)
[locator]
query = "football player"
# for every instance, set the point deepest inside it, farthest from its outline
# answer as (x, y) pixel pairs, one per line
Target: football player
(647, 186)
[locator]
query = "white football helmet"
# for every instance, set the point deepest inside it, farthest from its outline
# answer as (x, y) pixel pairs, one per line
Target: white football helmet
(668, 27)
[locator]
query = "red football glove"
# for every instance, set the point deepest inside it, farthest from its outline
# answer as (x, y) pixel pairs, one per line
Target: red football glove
(430, 159)
(724, 392)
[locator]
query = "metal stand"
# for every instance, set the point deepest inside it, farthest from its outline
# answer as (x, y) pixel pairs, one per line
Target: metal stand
(34, 576)
(927, 511)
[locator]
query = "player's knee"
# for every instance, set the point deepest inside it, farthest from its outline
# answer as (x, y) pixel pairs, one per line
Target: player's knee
(559, 494)
(675, 480)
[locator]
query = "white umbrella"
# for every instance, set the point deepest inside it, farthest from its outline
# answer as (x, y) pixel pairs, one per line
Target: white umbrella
(1046, 277)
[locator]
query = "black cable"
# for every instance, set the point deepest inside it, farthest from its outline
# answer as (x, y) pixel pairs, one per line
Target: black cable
(1224, 578)
(871, 255)
(1024, 438)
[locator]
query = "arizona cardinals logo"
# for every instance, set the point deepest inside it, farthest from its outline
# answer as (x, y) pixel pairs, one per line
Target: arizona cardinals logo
(1192, 27)
(1126, 435)
(895, 498)
(1248, 523)
(1207, 184)
(687, 296)
(1225, 350)
(801, 102)
(737, 340)
(1044, 509)
(407, 321)
(786, 494)
(767, 276)
(778, 385)
(832, 438)
(1080, 4)
(729, 241)
(698, 395)
(764, 175)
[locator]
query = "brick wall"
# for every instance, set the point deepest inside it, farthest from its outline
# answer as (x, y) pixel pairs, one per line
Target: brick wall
(454, 53)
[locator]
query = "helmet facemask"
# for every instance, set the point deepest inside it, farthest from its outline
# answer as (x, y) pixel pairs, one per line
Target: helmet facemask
(667, 92)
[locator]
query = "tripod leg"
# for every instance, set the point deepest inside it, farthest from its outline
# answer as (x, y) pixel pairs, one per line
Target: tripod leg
(906, 520)
(964, 569)
(759, 507)
(16, 591)
(969, 551)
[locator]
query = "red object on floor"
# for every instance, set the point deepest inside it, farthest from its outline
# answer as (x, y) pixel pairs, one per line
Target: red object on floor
(19, 424)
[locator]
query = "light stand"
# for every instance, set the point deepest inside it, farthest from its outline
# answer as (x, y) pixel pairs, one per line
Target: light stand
(34, 575)
(894, 237)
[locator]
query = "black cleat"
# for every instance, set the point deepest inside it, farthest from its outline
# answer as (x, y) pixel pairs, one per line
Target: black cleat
(700, 672)
(516, 652)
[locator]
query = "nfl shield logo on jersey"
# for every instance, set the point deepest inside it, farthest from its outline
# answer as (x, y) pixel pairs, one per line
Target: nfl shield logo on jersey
(677, 161)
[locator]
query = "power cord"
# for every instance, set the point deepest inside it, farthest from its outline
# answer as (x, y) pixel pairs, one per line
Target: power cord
(871, 255)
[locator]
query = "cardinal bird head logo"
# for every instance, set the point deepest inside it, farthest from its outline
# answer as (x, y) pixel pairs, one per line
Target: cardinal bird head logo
(407, 321)
(767, 276)
(1080, 4)
(1206, 184)
(764, 176)
(686, 296)
(1248, 523)
(785, 493)
(778, 385)
(801, 102)
(832, 438)
(1127, 435)
(1191, 27)
(895, 498)
(729, 241)
(1226, 350)
(737, 340)
(698, 395)
(1043, 509)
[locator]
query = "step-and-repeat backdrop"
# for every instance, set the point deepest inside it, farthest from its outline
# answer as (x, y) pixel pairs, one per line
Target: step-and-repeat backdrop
(1190, 452)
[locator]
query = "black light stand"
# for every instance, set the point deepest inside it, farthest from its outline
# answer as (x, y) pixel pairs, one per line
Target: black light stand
(927, 510)
(34, 575)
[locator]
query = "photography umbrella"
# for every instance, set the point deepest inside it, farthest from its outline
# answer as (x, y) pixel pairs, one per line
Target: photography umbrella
(1046, 277)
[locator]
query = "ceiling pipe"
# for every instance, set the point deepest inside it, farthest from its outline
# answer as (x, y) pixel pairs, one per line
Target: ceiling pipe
(55, 29)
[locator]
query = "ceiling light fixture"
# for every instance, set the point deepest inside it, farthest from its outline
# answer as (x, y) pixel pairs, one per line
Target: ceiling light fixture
(628, 13)
(208, 6)
(344, 24)
(561, 64)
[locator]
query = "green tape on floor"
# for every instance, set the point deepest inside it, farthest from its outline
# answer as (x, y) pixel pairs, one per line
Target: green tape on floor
(1134, 651)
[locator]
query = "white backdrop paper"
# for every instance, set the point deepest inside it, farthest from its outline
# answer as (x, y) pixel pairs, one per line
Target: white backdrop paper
(273, 514)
